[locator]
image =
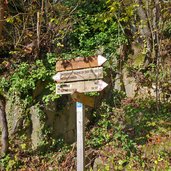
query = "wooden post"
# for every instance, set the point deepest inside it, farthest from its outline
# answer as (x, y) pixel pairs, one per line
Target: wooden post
(80, 137)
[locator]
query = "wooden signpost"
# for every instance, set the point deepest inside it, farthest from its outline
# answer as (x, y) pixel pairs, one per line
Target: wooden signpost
(80, 62)
(75, 77)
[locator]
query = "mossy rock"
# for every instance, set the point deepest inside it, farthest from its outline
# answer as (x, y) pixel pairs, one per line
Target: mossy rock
(138, 60)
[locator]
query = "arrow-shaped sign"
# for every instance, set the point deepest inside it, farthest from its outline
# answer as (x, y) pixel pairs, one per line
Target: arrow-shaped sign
(78, 75)
(80, 62)
(82, 86)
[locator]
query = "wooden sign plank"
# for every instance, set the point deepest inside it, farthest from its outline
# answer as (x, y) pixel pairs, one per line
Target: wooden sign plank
(82, 86)
(86, 100)
(80, 62)
(78, 75)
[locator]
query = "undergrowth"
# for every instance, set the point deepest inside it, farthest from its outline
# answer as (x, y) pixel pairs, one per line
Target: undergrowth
(130, 137)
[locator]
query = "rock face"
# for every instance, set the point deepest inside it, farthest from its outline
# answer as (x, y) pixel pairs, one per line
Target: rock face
(128, 83)
(98, 164)
(60, 123)
(36, 134)
(59, 119)
(15, 112)
(63, 121)
(131, 86)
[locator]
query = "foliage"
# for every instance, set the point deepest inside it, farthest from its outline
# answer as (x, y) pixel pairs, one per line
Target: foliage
(141, 116)
(95, 33)
(136, 137)
(27, 77)
(9, 163)
(37, 33)
(167, 30)
(107, 130)
(100, 134)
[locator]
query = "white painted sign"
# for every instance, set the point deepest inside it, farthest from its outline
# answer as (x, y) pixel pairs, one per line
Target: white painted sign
(82, 86)
(78, 75)
(101, 60)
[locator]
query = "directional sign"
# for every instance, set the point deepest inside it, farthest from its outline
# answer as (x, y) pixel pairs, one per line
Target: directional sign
(75, 77)
(82, 86)
(81, 97)
(80, 62)
(78, 75)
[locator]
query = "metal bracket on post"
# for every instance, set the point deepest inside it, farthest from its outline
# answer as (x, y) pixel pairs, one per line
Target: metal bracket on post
(80, 136)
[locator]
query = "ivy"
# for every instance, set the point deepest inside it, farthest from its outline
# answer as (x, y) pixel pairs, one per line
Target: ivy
(95, 31)
(26, 78)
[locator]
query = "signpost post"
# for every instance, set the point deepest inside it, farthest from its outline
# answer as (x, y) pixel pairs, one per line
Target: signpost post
(75, 77)
(80, 136)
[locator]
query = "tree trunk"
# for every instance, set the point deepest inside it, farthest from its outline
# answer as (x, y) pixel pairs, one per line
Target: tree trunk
(4, 126)
(157, 48)
(1, 17)
(145, 30)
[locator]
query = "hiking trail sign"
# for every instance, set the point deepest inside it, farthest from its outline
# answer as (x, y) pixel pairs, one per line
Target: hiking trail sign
(80, 62)
(78, 75)
(75, 77)
(81, 86)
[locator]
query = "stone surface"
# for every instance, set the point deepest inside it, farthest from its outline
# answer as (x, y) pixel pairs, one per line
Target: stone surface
(130, 85)
(15, 112)
(63, 121)
(60, 119)
(36, 136)
(98, 164)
